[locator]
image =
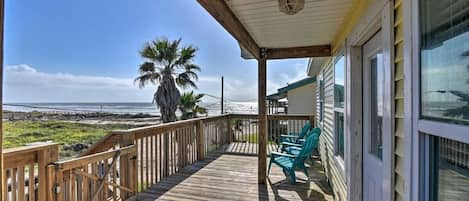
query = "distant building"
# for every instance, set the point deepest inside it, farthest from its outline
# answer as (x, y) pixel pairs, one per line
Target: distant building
(295, 98)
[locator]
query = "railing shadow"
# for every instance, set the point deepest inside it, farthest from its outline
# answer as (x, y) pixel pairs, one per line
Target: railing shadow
(303, 188)
(154, 192)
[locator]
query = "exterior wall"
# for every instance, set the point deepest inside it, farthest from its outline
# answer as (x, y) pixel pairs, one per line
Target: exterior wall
(333, 170)
(399, 179)
(301, 100)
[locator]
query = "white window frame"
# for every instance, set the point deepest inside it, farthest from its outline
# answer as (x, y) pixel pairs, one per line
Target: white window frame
(340, 161)
(421, 129)
(322, 100)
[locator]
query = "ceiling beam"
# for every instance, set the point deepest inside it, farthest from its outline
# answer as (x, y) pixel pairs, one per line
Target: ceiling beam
(223, 14)
(299, 52)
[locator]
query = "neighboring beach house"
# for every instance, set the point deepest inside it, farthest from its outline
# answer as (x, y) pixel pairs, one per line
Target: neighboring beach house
(299, 95)
(392, 102)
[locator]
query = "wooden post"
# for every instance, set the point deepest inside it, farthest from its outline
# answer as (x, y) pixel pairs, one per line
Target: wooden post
(222, 95)
(311, 121)
(262, 132)
(45, 158)
(128, 166)
(200, 140)
(229, 130)
(1, 99)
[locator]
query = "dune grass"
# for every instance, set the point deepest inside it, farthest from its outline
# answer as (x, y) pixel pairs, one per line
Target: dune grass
(19, 133)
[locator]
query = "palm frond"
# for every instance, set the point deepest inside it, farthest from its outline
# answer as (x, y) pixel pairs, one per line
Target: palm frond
(183, 80)
(186, 55)
(192, 67)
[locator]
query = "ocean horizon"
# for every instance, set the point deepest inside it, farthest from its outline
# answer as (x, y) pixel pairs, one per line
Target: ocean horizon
(213, 108)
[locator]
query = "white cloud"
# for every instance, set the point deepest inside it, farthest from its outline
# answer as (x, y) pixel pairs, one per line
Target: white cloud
(20, 68)
(24, 83)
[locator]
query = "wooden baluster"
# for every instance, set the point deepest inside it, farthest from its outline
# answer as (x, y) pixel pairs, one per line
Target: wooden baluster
(73, 190)
(21, 183)
(160, 156)
(6, 175)
(166, 154)
(60, 182)
(46, 157)
(200, 140)
(150, 169)
(142, 182)
(31, 183)
(114, 181)
(14, 183)
(147, 149)
(179, 149)
(86, 184)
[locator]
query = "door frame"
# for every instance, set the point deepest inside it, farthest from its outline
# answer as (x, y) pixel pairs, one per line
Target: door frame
(378, 16)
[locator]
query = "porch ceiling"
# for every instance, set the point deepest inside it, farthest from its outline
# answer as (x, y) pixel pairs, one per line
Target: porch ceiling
(316, 24)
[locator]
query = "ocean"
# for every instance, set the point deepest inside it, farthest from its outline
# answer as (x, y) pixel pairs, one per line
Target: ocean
(124, 108)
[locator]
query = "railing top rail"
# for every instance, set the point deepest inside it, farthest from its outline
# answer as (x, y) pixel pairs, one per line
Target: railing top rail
(85, 160)
(28, 149)
(275, 116)
(170, 125)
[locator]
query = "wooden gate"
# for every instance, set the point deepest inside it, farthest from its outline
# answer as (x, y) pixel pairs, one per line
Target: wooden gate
(107, 175)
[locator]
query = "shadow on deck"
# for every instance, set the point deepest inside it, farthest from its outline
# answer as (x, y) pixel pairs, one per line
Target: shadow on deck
(224, 175)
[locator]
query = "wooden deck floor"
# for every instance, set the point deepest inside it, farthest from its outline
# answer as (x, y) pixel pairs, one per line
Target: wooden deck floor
(246, 148)
(227, 176)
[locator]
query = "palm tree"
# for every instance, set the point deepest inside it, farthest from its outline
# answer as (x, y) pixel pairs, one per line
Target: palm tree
(462, 111)
(167, 66)
(189, 105)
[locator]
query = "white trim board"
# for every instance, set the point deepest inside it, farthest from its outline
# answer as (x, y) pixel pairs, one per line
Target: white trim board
(378, 16)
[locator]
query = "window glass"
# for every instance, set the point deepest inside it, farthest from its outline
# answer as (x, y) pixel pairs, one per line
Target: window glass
(449, 176)
(321, 97)
(339, 80)
(339, 98)
(377, 96)
(339, 129)
(444, 57)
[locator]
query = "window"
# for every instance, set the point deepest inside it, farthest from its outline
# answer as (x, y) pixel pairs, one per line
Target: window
(449, 169)
(444, 58)
(339, 97)
(321, 96)
(376, 105)
(444, 98)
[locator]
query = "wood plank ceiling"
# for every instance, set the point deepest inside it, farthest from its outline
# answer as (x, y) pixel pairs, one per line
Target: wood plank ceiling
(316, 24)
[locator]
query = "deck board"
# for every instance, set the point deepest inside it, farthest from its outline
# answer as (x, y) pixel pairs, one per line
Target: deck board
(227, 176)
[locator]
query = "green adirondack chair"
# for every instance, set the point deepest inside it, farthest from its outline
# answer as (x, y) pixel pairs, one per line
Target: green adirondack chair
(293, 148)
(289, 163)
(294, 137)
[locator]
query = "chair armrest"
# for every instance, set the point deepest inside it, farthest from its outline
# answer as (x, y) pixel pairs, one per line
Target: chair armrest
(296, 148)
(289, 136)
(275, 154)
(291, 144)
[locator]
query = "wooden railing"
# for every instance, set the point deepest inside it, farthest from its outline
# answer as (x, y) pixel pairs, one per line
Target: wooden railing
(108, 175)
(245, 127)
(127, 161)
(25, 176)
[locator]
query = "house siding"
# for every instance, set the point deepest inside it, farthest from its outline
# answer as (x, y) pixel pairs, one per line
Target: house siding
(334, 172)
(399, 179)
(302, 100)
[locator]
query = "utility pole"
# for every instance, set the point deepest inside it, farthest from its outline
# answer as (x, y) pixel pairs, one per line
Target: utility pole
(222, 97)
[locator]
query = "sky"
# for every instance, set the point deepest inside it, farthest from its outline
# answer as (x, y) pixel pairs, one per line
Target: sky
(88, 51)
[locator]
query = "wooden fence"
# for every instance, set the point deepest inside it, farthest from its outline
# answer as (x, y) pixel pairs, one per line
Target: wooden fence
(25, 176)
(125, 162)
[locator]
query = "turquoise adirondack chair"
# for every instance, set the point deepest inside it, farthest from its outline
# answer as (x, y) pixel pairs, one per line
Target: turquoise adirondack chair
(294, 149)
(294, 137)
(289, 163)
